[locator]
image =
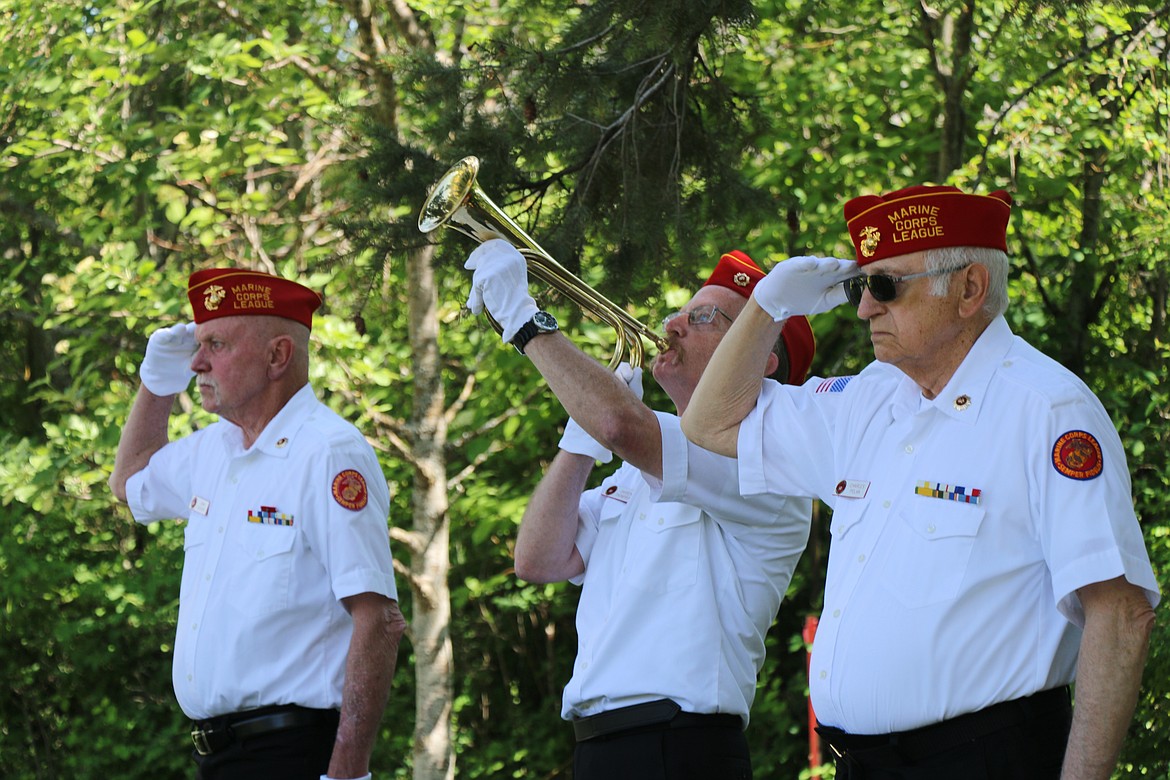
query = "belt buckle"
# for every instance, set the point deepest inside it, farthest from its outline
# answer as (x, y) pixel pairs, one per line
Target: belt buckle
(202, 746)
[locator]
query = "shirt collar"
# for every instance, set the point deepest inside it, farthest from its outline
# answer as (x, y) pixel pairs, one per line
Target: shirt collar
(964, 395)
(277, 437)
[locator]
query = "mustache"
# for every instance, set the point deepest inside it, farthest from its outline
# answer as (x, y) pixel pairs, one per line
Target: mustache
(672, 346)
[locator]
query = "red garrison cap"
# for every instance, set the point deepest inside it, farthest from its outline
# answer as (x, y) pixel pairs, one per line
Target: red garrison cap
(736, 271)
(231, 292)
(926, 217)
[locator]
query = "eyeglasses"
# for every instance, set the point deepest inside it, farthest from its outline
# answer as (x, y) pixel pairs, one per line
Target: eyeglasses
(700, 315)
(883, 286)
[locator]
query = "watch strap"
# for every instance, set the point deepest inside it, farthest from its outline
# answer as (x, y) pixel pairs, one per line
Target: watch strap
(541, 322)
(524, 335)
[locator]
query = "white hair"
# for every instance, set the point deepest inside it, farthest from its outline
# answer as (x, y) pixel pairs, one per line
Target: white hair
(955, 257)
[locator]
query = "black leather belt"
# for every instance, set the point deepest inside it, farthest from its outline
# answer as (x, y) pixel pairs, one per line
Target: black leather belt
(919, 743)
(663, 713)
(211, 736)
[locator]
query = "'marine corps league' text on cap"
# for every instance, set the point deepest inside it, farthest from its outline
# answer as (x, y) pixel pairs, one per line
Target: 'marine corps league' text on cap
(736, 271)
(926, 217)
(232, 292)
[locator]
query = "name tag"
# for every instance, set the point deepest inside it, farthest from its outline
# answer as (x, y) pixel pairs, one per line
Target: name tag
(200, 505)
(852, 488)
(619, 493)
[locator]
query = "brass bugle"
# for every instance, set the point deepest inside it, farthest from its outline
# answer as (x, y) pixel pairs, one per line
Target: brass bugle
(458, 203)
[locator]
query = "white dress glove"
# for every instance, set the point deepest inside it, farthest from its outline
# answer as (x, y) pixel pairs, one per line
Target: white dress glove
(500, 283)
(631, 376)
(803, 285)
(576, 440)
(166, 367)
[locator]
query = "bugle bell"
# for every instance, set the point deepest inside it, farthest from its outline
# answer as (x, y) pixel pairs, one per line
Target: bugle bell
(458, 203)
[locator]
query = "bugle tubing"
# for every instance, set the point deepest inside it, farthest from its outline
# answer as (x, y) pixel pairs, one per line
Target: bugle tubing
(457, 202)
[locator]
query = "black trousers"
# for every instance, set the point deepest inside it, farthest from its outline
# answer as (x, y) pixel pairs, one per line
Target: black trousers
(1030, 750)
(297, 753)
(663, 752)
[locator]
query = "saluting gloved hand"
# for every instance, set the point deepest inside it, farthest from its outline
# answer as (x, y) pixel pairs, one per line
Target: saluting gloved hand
(803, 285)
(500, 283)
(166, 367)
(576, 440)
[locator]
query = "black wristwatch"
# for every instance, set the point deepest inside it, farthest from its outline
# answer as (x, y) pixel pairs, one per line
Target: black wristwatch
(541, 322)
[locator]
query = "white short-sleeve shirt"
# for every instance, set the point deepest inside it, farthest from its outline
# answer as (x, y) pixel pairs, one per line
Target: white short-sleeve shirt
(682, 580)
(275, 536)
(962, 527)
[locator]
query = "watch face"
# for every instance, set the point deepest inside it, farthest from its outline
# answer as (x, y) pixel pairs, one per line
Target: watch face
(544, 321)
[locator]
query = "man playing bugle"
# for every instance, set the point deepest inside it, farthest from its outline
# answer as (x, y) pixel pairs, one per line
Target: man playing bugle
(680, 576)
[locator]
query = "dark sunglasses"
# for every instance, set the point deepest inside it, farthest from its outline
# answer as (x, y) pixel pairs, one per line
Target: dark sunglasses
(883, 287)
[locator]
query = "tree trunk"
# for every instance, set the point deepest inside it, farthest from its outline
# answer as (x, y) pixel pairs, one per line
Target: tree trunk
(1083, 308)
(433, 754)
(947, 38)
(434, 758)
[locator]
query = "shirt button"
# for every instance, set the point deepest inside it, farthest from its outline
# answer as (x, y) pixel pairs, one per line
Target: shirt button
(861, 558)
(824, 674)
(221, 529)
(930, 528)
(836, 613)
(661, 521)
(190, 678)
(909, 448)
(885, 504)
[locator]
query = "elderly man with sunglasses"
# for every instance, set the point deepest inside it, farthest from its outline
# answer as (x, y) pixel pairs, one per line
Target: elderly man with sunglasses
(985, 551)
(680, 576)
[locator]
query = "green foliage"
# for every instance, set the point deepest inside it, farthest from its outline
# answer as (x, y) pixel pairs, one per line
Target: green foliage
(88, 601)
(604, 129)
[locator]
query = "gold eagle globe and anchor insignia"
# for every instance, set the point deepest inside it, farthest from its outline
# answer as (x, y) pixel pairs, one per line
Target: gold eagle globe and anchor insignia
(869, 240)
(213, 296)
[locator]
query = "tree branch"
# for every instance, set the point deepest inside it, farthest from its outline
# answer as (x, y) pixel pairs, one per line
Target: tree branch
(1051, 73)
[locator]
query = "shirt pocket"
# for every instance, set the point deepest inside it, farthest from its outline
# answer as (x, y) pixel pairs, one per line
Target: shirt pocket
(845, 516)
(928, 555)
(664, 548)
(263, 576)
(194, 549)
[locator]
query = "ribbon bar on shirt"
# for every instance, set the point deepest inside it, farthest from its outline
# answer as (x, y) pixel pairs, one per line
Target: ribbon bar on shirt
(949, 492)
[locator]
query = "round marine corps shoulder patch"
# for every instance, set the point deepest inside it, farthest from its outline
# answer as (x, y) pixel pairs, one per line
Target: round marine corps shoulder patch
(1077, 455)
(349, 490)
